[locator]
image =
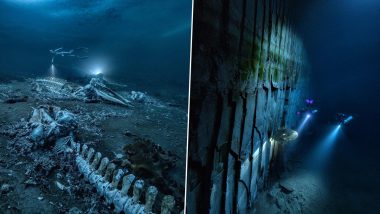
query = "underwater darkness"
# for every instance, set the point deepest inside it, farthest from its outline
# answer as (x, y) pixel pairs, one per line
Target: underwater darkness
(342, 41)
(106, 83)
(134, 41)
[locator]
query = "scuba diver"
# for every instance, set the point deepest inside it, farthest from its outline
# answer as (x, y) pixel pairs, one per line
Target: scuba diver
(343, 118)
(309, 108)
(72, 53)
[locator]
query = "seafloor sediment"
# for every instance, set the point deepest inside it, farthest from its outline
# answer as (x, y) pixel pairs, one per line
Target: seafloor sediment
(148, 138)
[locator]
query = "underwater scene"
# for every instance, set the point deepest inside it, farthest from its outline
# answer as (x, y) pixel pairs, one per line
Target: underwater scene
(93, 105)
(284, 108)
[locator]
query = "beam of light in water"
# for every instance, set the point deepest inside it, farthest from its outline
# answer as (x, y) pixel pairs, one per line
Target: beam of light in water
(331, 138)
(323, 150)
(304, 122)
(52, 70)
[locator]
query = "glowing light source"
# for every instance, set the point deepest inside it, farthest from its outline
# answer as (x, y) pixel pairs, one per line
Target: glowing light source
(348, 119)
(309, 101)
(97, 71)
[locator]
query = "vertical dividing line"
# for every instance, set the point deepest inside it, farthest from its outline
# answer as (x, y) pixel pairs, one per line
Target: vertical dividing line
(188, 108)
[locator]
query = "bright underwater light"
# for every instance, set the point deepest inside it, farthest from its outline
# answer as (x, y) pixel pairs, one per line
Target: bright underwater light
(97, 71)
(348, 119)
(304, 122)
(52, 70)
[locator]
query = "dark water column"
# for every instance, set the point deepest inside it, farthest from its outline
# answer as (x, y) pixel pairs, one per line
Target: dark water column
(247, 82)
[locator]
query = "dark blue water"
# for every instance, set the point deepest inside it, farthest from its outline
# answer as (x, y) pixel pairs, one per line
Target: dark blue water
(342, 41)
(341, 38)
(145, 42)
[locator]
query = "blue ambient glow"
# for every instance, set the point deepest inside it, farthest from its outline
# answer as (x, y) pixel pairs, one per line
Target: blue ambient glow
(97, 71)
(304, 122)
(324, 149)
(100, 25)
(333, 135)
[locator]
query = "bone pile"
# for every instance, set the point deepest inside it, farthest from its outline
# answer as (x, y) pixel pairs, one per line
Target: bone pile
(96, 91)
(54, 125)
(54, 88)
(104, 176)
(50, 124)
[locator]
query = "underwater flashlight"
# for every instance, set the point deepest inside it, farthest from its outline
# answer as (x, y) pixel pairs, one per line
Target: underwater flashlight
(348, 119)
